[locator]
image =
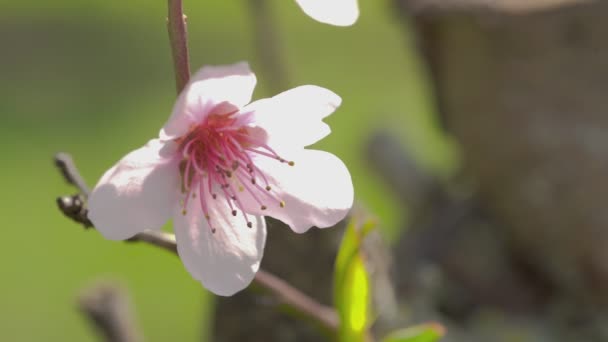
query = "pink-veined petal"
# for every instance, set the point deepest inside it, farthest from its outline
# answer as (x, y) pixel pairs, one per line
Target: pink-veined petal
(294, 118)
(208, 88)
(317, 190)
(137, 193)
(226, 261)
(333, 12)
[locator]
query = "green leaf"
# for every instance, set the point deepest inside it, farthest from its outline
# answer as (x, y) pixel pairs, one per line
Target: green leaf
(430, 332)
(352, 284)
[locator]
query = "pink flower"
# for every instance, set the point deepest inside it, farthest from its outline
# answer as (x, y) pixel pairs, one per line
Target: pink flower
(334, 12)
(219, 166)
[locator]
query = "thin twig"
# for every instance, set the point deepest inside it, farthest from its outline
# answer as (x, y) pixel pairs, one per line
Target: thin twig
(284, 292)
(108, 308)
(68, 169)
(178, 38)
(292, 297)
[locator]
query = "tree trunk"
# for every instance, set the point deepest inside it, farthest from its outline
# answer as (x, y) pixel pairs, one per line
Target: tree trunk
(522, 86)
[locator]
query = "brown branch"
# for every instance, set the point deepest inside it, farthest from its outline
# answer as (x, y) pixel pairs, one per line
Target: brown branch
(292, 297)
(284, 292)
(108, 308)
(178, 38)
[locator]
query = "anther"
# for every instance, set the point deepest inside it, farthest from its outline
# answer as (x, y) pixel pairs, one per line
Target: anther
(184, 212)
(234, 213)
(207, 217)
(228, 174)
(249, 224)
(291, 163)
(235, 165)
(263, 207)
(252, 180)
(214, 196)
(268, 188)
(282, 204)
(194, 195)
(213, 230)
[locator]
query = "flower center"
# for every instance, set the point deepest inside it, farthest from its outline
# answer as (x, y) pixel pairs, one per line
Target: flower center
(217, 158)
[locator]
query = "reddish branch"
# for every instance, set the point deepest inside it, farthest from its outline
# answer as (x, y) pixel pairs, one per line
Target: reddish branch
(178, 38)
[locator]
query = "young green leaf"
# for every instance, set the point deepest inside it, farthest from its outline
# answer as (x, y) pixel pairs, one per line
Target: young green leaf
(421, 333)
(352, 284)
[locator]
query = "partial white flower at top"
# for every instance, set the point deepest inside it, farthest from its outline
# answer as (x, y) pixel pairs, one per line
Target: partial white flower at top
(334, 12)
(220, 165)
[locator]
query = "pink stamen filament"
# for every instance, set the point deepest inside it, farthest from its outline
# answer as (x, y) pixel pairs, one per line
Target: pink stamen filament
(220, 151)
(204, 203)
(265, 154)
(186, 178)
(249, 162)
(239, 205)
(251, 192)
(228, 197)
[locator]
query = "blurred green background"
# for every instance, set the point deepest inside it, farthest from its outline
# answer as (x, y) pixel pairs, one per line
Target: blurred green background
(94, 78)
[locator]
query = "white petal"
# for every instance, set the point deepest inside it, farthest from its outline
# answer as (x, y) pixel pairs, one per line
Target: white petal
(334, 12)
(137, 193)
(226, 261)
(208, 88)
(293, 118)
(317, 190)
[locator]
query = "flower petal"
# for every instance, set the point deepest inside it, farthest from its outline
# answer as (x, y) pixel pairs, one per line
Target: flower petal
(293, 118)
(208, 88)
(137, 193)
(334, 12)
(226, 261)
(317, 190)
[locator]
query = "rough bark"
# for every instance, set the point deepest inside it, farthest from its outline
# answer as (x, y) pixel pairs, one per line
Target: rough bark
(521, 86)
